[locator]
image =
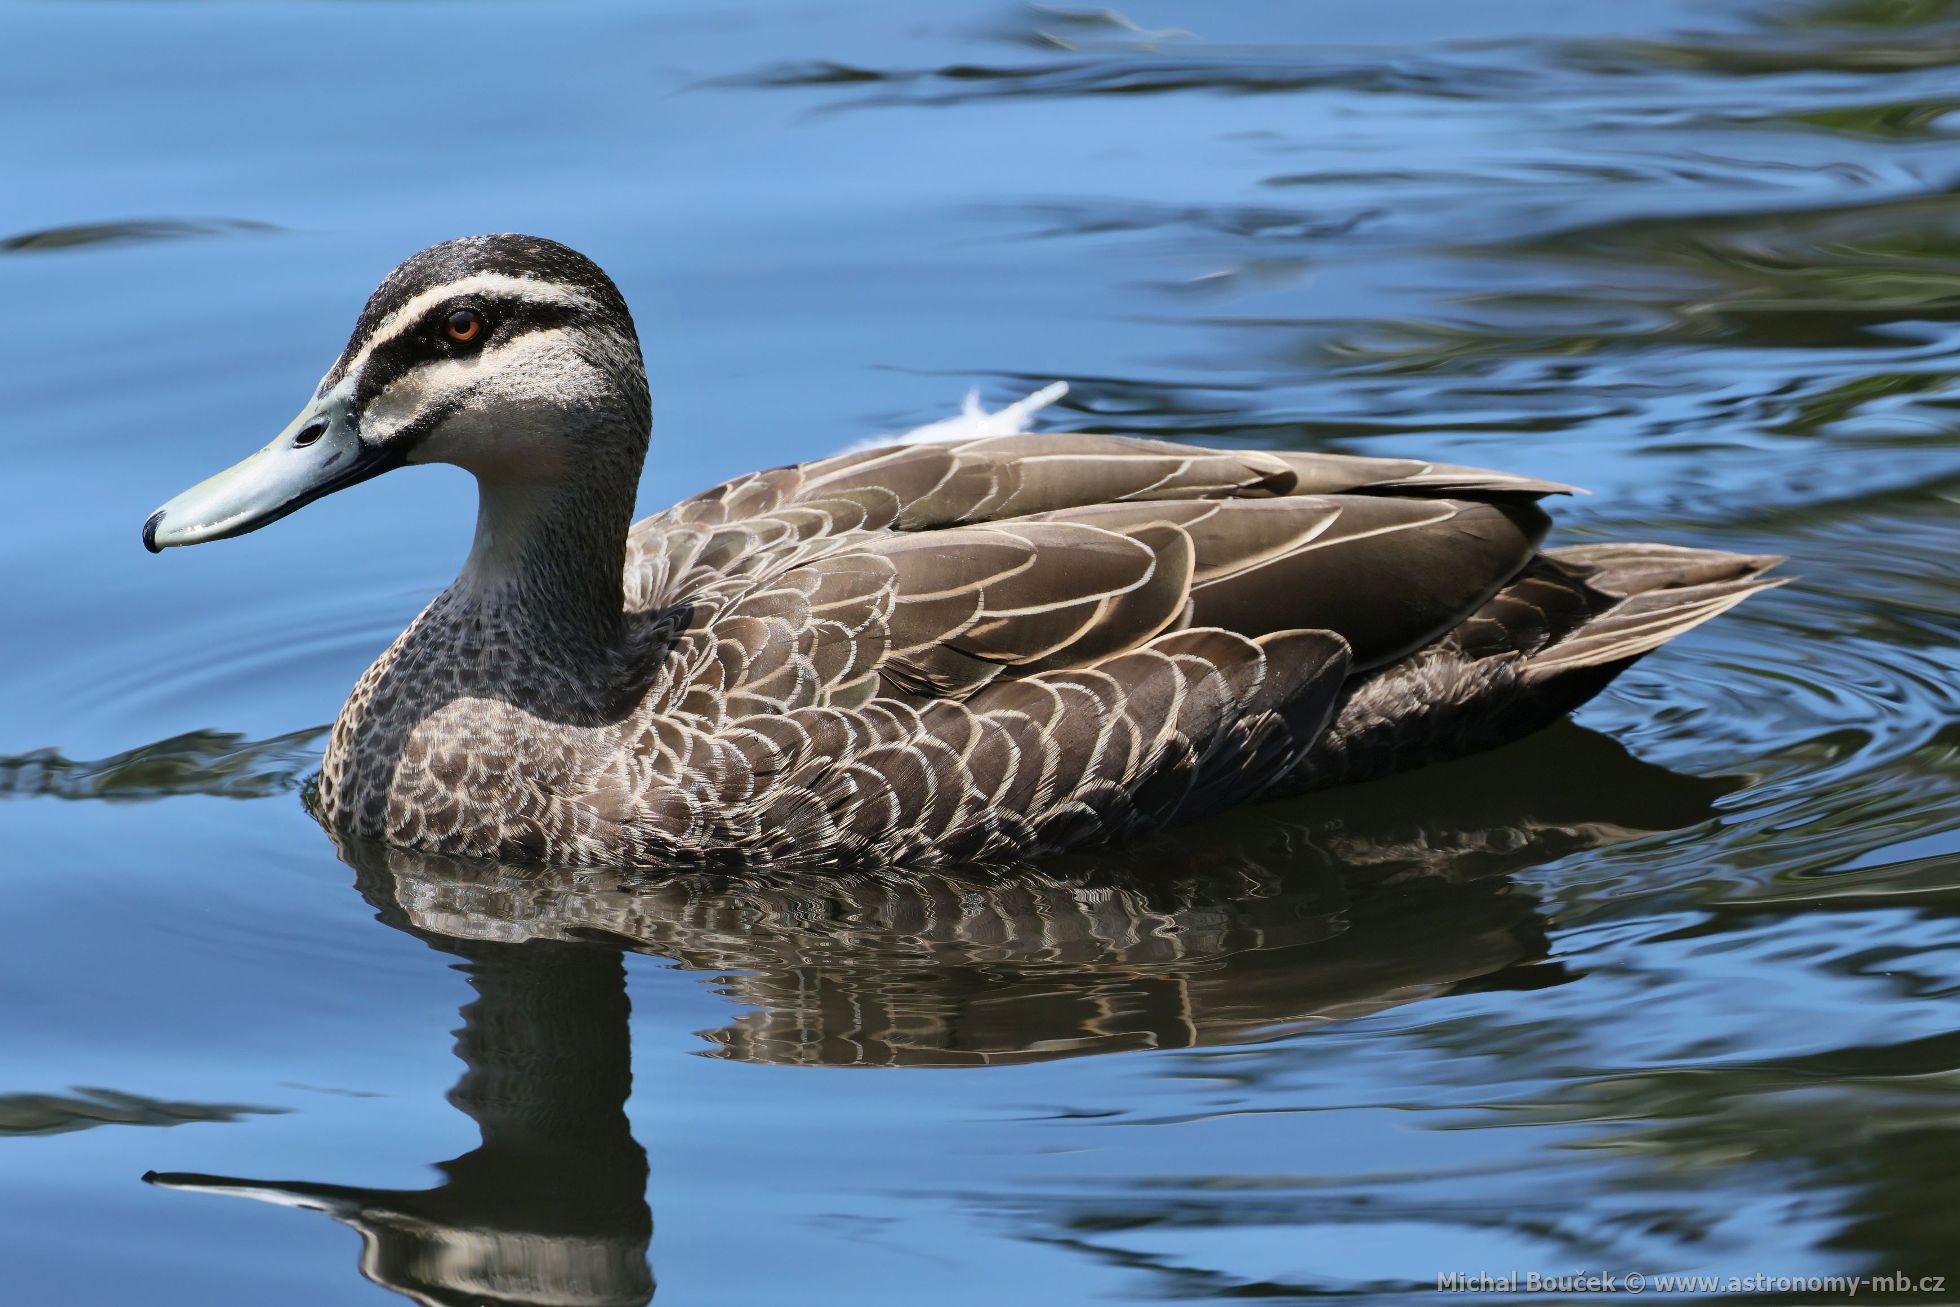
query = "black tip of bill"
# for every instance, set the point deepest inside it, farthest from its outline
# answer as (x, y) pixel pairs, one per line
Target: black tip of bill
(150, 532)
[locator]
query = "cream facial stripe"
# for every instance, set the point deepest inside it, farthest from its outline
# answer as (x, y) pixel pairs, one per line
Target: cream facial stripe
(537, 362)
(497, 285)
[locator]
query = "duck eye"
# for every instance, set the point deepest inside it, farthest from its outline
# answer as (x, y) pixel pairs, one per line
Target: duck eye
(463, 326)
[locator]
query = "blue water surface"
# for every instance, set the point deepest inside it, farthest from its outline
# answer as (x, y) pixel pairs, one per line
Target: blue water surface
(1669, 989)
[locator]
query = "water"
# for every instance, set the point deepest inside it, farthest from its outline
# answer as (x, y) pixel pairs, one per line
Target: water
(1670, 989)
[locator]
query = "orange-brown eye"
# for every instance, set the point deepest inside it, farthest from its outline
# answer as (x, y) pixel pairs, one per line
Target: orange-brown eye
(463, 326)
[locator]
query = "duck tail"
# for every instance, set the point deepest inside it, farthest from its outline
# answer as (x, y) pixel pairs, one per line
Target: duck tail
(1654, 593)
(1544, 644)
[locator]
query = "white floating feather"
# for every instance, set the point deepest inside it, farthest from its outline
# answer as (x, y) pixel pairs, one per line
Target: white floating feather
(974, 422)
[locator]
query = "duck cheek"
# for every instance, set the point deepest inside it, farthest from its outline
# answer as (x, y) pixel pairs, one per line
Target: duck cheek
(505, 443)
(442, 445)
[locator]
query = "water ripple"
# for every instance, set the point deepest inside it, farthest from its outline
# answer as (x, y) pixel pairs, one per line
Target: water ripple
(220, 763)
(85, 1109)
(124, 233)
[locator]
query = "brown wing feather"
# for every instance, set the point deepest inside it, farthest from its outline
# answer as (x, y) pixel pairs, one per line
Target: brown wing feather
(926, 614)
(1326, 474)
(999, 647)
(766, 519)
(972, 602)
(1389, 575)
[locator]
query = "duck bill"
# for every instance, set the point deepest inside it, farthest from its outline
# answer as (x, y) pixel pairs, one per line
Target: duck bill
(319, 453)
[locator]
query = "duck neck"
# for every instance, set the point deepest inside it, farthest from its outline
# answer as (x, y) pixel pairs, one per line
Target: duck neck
(546, 568)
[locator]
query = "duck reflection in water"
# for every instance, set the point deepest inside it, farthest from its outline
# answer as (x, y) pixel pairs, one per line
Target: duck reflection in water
(1255, 925)
(551, 1207)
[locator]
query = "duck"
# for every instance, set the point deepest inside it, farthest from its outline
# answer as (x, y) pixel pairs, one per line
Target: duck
(954, 652)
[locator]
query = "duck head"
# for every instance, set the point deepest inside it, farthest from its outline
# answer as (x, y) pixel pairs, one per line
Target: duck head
(511, 356)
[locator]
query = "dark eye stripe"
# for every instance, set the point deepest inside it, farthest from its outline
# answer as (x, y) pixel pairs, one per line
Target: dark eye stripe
(427, 339)
(545, 265)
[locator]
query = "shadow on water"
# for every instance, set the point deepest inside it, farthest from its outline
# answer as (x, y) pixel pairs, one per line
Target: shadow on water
(1261, 923)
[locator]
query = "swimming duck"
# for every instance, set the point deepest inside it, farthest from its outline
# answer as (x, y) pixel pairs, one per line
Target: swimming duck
(948, 652)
